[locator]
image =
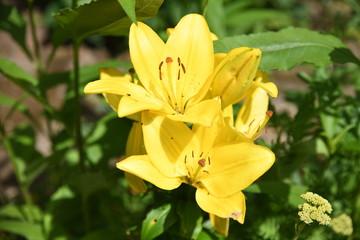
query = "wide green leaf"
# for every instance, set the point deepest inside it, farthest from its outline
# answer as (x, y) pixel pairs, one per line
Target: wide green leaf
(290, 47)
(156, 222)
(129, 8)
(31, 231)
(104, 17)
(12, 22)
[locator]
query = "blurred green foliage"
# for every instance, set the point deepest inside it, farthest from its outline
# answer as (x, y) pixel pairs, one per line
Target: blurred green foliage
(317, 149)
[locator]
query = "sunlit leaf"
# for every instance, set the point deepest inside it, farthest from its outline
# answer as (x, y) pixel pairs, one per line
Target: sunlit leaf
(31, 231)
(104, 17)
(129, 8)
(290, 47)
(12, 22)
(156, 222)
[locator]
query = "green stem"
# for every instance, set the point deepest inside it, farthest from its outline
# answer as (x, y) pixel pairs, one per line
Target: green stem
(78, 135)
(38, 62)
(298, 230)
(205, 7)
(23, 187)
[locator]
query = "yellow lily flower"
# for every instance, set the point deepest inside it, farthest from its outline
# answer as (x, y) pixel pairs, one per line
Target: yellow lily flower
(134, 146)
(254, 114)
(174, 76)
(234, 74)
(200, 157)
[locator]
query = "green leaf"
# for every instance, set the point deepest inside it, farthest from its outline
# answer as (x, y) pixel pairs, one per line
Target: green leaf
(20, 212)
(104, 17)
(290, 47)
(129, 8)
(215, 17)
(190, 219)
(30, 231)
(281, 190)
(156, 222)
(21, 78)
(12, 22)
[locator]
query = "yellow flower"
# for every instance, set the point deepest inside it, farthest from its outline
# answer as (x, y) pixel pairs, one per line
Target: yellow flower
(254, 114)
(342, 224)
(200, 157)
(234, 74)
(316, 208)
(174, 76)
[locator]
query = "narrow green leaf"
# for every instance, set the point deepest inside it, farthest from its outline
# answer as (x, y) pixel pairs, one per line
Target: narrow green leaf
(156, 222)
(190, 219)
(129, 8)
(12, 22)
(20, 212)
(30, 231)
(104, 17)
(20, 77)
(290, 47)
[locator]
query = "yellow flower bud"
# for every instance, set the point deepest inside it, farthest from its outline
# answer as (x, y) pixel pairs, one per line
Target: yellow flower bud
(233, 76)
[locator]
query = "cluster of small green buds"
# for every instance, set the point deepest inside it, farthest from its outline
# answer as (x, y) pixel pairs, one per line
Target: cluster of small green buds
(342, 224)
(316, 208)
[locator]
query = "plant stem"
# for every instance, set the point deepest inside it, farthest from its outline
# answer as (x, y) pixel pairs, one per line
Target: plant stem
(205, 7)
(23, 187)
(298, 230)
(38, 62)
(77, 126)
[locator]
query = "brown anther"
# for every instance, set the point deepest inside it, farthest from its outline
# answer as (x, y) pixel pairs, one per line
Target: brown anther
(178, 75)
(205, 171)
(161, 65)
(202, 162)
(209, 160)
(201, 154)
(169, 60)
(128, 94)
(185, 159)
(132, 70)
(179, 62)
(192, 153)
(183, 68)
(251, 122)
(269, 113)
(160, 75)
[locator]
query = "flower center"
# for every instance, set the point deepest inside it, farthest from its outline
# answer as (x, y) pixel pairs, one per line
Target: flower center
(197, 167)
(170, 78)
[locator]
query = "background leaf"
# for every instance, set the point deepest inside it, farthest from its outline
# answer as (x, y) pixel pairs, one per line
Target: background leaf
(290, 47)
(12, 22)
(104, 17)
(31, 231)
(156, 222)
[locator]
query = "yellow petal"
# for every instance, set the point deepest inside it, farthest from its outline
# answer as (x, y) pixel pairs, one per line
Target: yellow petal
(135, 141)
(226, 207)
(128, 106)
(201, 113)
(262, 80)
(112, 73)
(113, 100)
(218, 58)
(167, 143)
(191, 42)
(253, 113)
(146, 49)
(221, 225)
(229, 114)
(169, 31)
(233, 76)
(141, 166)
(235, 166)
(136, 183)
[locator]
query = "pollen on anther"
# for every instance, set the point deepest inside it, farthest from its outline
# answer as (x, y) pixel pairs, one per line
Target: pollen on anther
(178, 75)
(202, 162)
(169, 60)
(179, 62)
(269, 113)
